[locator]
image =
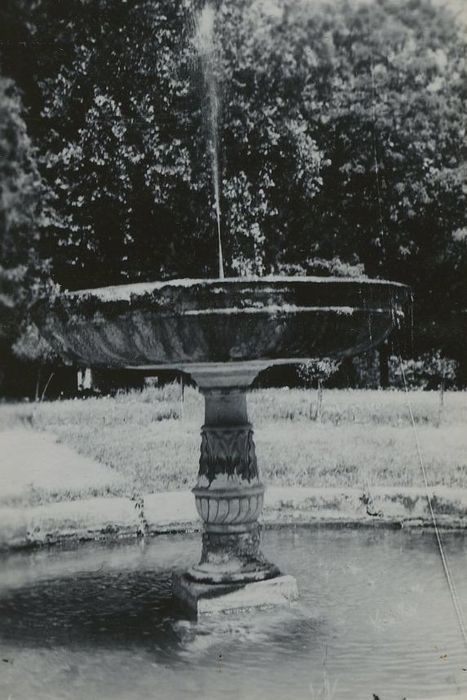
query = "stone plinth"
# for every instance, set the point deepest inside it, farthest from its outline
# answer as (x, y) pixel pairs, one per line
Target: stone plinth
(210, 599)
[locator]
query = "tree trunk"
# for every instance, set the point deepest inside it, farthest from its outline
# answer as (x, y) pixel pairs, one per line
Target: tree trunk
(441, 401)
(47, 385)
(38, 383)
(319, 405)
(182, 395)
(384, 365)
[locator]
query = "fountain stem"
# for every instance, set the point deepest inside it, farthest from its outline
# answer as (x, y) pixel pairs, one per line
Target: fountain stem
(229, 493)
(232, 574)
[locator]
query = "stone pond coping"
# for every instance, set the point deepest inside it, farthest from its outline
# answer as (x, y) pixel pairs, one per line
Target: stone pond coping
(462, 696)
(97, 518)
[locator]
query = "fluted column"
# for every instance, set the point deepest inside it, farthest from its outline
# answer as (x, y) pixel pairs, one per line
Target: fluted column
(229, 493)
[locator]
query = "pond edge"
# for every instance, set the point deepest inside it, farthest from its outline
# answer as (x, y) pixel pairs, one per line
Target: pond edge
(174, 512)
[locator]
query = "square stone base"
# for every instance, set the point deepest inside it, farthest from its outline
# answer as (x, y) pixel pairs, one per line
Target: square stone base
(209, 599)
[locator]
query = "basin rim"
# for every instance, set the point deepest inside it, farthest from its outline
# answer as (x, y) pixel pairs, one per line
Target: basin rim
(124, 292)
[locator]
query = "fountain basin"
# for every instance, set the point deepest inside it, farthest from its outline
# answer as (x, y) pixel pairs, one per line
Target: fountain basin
(259, 321)
(100, 621)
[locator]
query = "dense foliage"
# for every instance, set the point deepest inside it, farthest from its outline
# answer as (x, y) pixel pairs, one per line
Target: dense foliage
(429, 371)
(23, 274)
(342, 142)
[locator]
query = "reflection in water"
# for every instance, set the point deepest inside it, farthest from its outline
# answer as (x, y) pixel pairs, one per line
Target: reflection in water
(374, 616)
(198, 636)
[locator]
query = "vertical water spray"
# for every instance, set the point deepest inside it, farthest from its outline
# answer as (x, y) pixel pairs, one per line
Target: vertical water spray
(206, 48)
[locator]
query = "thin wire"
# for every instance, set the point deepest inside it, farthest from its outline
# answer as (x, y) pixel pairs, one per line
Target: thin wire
(452, 589)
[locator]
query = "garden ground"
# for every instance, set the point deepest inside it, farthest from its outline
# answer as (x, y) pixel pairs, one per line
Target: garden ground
(149, 440)
(123, 466)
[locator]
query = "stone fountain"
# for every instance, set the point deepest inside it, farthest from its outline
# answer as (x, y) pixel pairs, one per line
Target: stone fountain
(223, 333)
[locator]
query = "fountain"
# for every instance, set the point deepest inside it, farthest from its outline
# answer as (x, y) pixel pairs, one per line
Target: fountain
(223, 332)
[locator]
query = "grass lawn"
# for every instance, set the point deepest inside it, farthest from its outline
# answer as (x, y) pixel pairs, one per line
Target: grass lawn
(363, 439)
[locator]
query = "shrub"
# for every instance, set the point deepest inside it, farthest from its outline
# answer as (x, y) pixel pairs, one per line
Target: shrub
(428, 371)
(317, 370)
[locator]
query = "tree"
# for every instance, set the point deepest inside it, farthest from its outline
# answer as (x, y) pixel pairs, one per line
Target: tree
(347, 123)
(318, 371)
(375, 96)
(22, 272)
(119, 144)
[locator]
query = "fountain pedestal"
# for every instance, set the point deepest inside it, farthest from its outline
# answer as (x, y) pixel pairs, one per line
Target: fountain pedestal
(223, 332)
(229, 499)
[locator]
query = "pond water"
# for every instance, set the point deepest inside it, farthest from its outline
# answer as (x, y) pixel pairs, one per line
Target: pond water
(98, 621)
